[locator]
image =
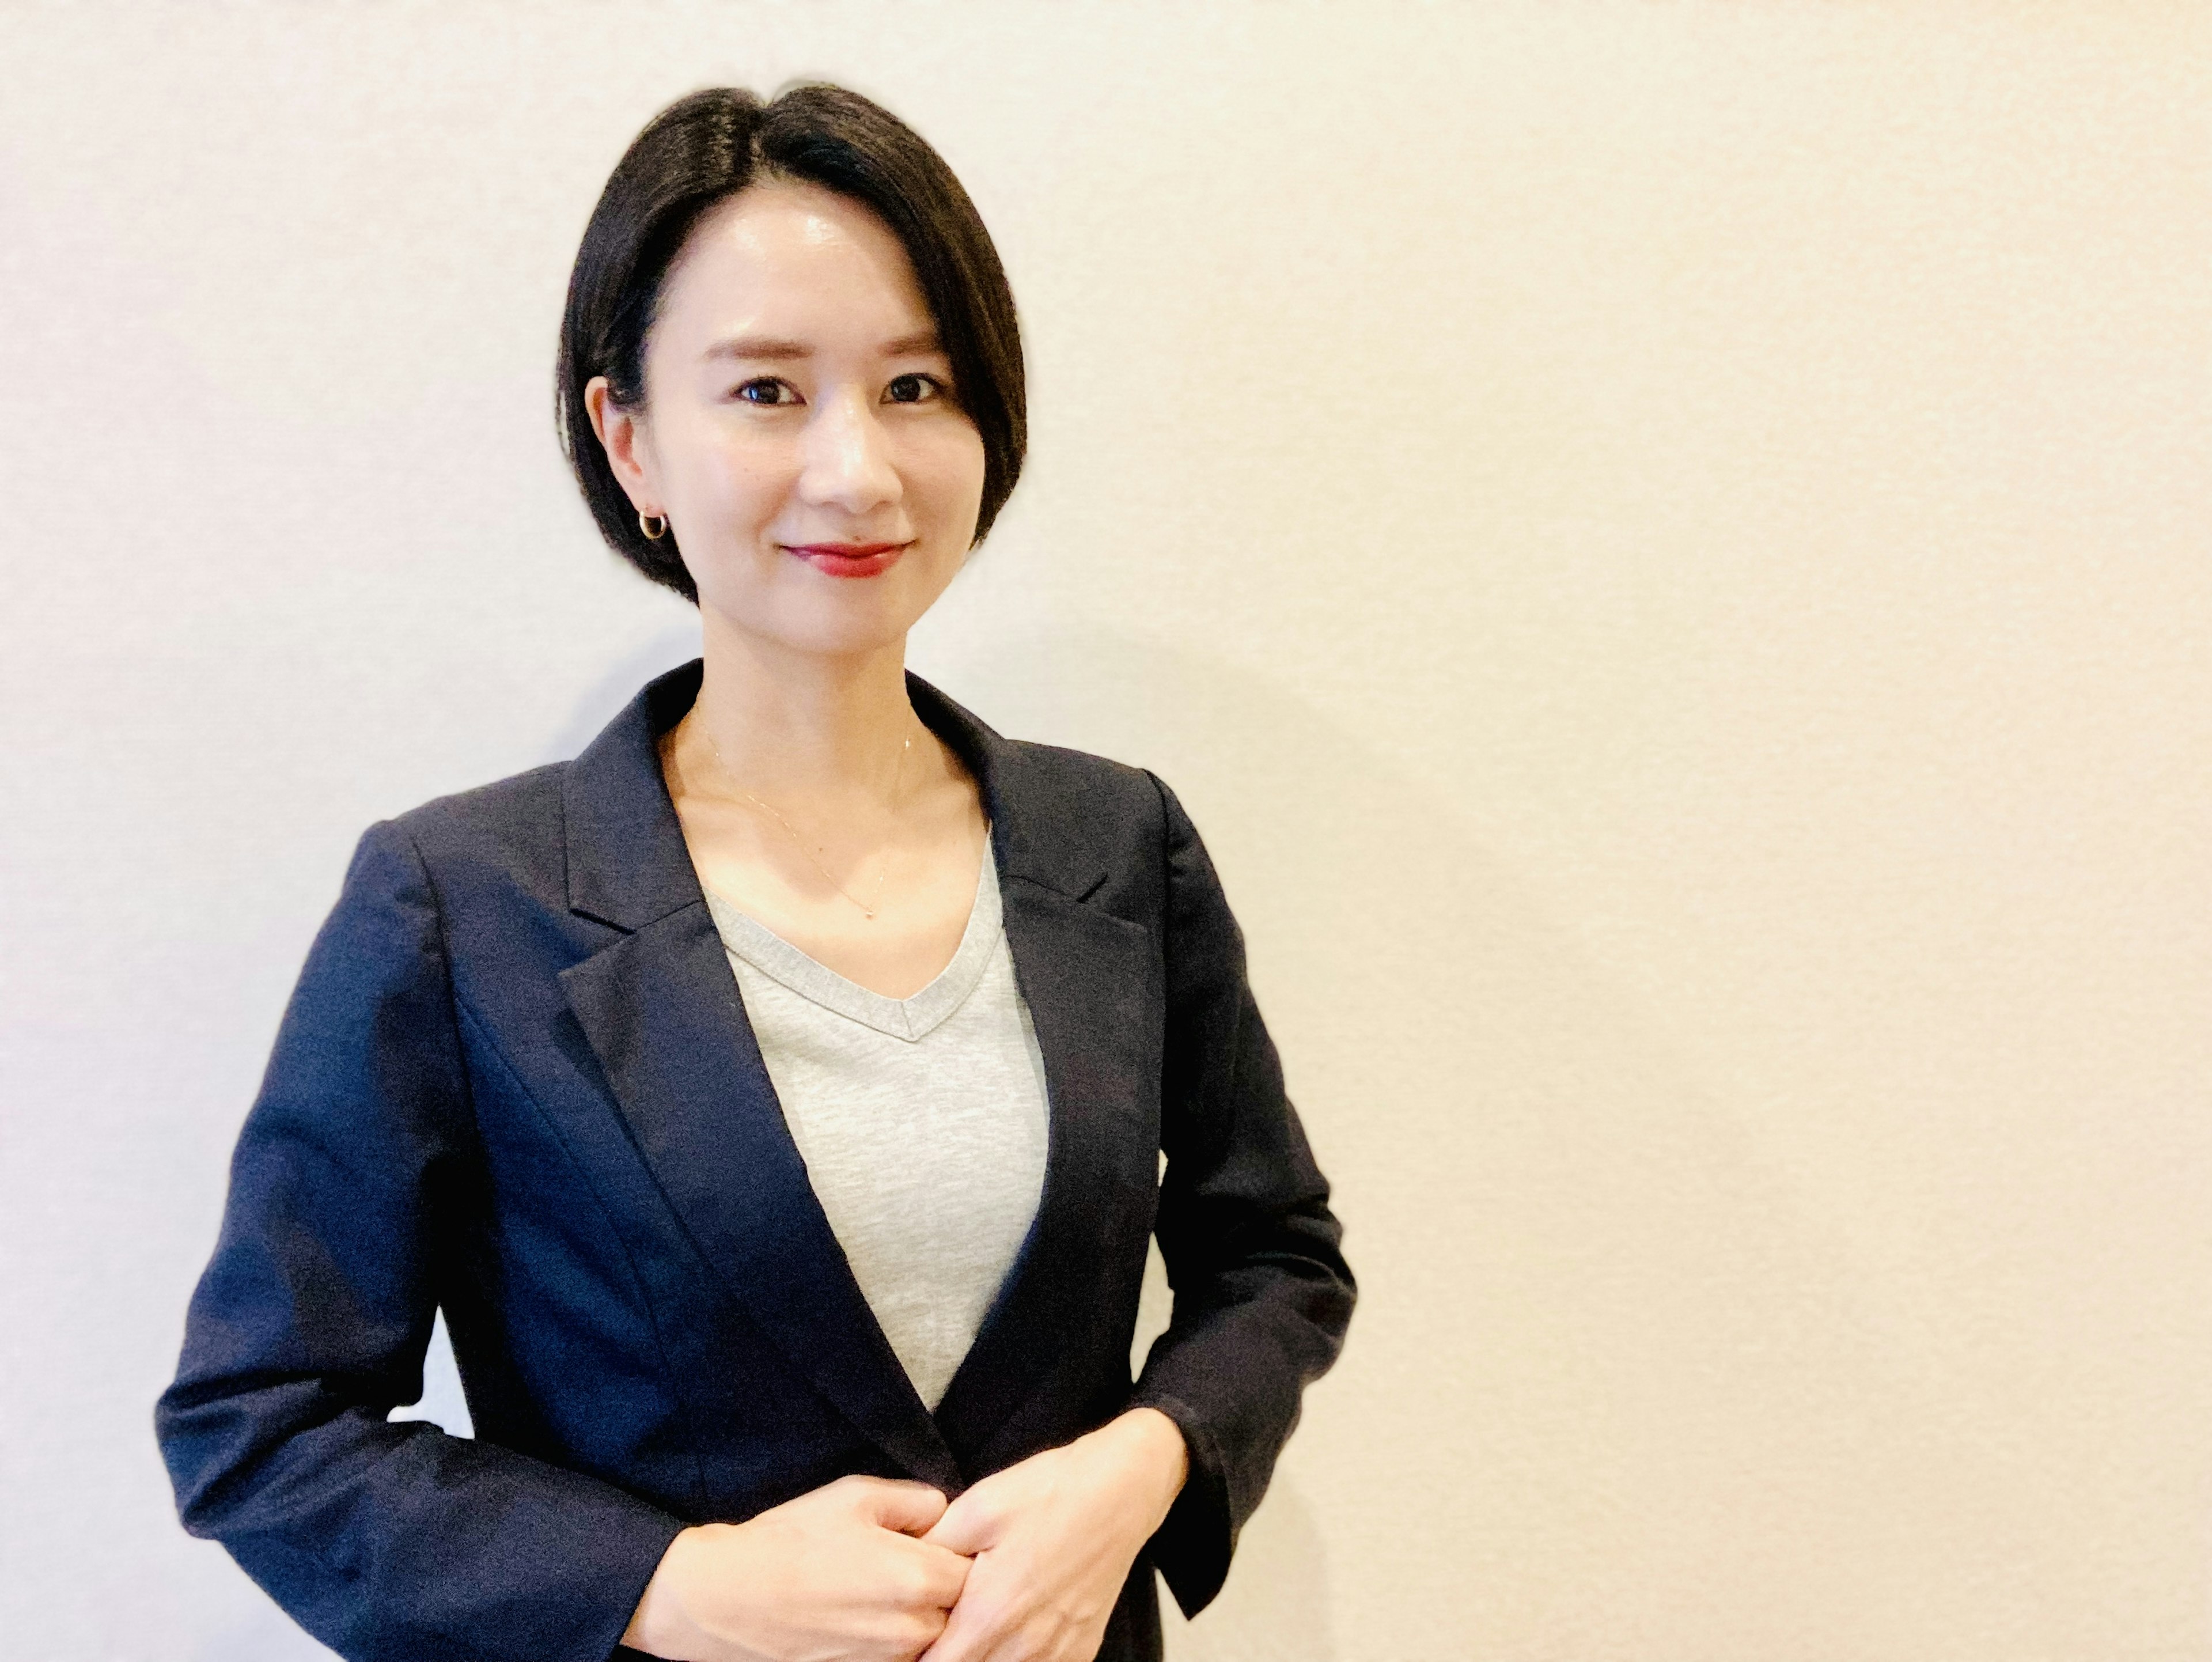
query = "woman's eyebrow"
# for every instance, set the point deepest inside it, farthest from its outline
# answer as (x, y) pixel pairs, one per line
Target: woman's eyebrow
(760, 346)
(777, 350)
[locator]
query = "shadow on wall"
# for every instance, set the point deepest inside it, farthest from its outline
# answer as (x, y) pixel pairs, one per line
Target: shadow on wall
(1600, 1344)
(608, 694)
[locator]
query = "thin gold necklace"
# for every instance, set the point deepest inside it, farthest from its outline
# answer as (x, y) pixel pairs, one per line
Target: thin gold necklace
(882, 868)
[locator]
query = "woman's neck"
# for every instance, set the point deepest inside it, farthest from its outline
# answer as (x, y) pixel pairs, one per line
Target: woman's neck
(793, 725)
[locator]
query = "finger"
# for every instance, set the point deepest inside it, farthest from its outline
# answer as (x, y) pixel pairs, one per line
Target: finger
(967, 1635)
(969, 1524)
(909, 1508)
(943, 1574)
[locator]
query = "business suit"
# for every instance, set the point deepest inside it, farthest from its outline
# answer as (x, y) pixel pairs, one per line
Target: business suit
(516, 1080)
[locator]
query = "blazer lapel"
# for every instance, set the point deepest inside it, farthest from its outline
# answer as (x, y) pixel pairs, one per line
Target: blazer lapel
(1087, 977)
(662, 1012)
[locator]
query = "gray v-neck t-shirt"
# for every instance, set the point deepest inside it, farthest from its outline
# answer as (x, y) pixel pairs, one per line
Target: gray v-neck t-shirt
(923, 1122)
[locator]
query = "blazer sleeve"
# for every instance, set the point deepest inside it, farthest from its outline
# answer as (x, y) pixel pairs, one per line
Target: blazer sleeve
(383, 1540)
(1262, 1295)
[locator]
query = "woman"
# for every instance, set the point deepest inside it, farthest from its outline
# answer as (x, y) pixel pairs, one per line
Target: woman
(776, 1097)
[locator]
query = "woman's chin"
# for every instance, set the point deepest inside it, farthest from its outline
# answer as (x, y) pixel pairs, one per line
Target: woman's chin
(841, 631)
(825, 615)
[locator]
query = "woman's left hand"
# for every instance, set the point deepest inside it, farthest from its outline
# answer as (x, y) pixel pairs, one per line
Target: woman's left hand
(1052, 1538)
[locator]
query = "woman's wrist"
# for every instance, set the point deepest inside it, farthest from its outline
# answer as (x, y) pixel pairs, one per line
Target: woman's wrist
(1156, 1456)
(656, 1626)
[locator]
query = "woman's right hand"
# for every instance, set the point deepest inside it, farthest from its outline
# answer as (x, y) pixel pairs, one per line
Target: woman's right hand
(835, 1575)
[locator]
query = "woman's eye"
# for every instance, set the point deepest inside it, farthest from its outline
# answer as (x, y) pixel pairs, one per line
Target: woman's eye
(913, 389)
(767, 390)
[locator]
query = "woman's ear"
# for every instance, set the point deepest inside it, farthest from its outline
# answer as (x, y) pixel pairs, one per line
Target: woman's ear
(622, 435)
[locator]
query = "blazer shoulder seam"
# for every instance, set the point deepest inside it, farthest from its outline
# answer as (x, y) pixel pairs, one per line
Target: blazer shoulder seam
(446, 973)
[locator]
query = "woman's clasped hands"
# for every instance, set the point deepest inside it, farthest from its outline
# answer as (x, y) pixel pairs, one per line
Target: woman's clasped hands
(1025, 1567)
(837, 1574)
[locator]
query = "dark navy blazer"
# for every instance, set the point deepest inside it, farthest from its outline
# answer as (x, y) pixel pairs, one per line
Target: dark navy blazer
(516, 1081)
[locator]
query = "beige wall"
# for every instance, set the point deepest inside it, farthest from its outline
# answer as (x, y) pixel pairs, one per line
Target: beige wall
(1664, 545)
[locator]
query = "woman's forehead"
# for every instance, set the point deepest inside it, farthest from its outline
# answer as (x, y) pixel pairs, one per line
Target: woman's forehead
(793, 262)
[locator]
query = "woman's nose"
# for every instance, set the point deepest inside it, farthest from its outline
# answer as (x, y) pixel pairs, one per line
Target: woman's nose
(847, 461)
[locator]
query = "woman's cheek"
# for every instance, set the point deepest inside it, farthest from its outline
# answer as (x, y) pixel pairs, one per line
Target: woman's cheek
(754, 480)
(954, 472)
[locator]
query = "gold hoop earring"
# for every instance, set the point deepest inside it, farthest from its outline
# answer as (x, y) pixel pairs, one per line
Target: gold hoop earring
(643, 524)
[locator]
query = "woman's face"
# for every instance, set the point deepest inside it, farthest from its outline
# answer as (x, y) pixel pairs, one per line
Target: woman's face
(800, 428)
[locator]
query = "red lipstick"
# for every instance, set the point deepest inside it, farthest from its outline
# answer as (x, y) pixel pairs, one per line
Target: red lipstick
(848, 559)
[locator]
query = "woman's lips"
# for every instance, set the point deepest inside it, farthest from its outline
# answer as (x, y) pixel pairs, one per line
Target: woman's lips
(848, 559)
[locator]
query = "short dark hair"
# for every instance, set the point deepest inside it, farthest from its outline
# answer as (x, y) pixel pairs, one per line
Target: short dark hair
(704, 149)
